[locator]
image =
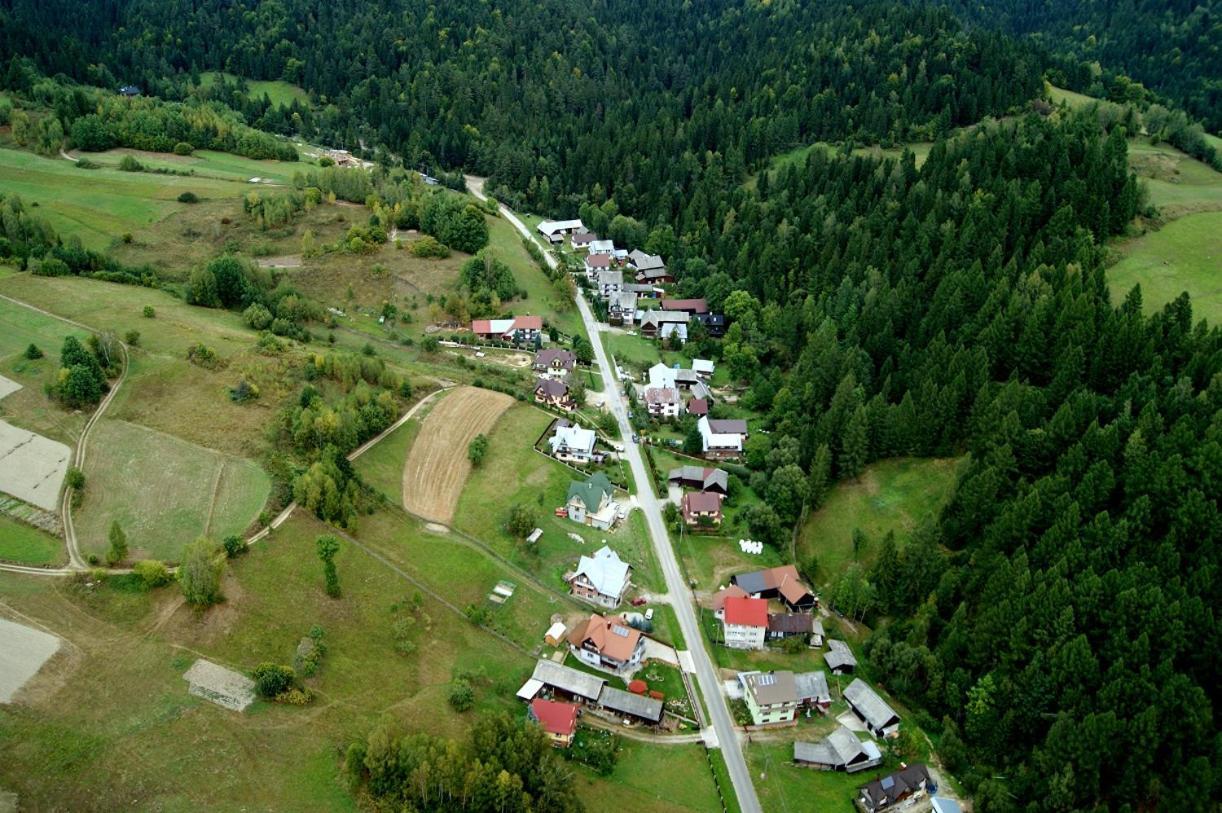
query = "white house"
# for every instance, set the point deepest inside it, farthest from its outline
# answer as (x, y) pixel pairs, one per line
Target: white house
(610, 282)
(555, 230)
(722, 438)
(601, 579)
(703, 367)
(591, 503)
(602, 247)
(662, 376)
(744, 622)
(572, 443)
(663, 402)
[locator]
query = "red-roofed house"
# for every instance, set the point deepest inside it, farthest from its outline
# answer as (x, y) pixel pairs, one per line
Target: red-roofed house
(745, 622)
(558, 720)
(698, 407)
(519, 330)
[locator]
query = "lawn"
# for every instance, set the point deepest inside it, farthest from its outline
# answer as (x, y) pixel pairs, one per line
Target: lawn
(133, 471)
(29, 407)
(98, 205)
(711, 560)
(514, 473)
(786, 788)
(25, 545)
(633, 353)
(1184, 255)
(1178, 184)
(382, 466)
(653, 779)
(277, 91)
(543, 297)
(894, 495)
(203, 164)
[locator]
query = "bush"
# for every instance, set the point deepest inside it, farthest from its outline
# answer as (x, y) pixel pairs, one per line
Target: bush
(477, 450)
(188, 197)
(295, 697)
(152, 574)
(200, 573)
(149, 312)
(272, 679)
(85, 163)
(521, 520)
(132, 337)
(75, 479)
(257, 316)
(129, 163)
(244, 392)
(33, 352)
(430, 247)
(234, 546)
(462, 696)
(204, 356)
(183, 148)
(52, 267)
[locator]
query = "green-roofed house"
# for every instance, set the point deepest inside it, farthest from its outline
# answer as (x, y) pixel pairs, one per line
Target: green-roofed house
(591, 503)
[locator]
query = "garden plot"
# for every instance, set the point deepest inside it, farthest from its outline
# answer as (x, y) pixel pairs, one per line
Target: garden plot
(32, 467)
(23, 651)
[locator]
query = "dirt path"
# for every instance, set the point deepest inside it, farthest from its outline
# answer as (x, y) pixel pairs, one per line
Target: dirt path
(437, 467)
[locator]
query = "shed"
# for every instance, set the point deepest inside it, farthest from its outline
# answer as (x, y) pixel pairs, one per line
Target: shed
(632, 705)
(219, 685)
(555, 634)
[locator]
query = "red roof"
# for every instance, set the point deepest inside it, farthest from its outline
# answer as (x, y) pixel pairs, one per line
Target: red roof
(689, 305)
(747, 612)
(638, 687)
(599, 261)
(555, 718)
(481, 326)
(698, 406)
(528, 323)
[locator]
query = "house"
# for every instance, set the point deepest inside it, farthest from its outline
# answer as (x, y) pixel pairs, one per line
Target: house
(600, 579)
(880, 718)
(790, 625)
(621, 307)
(663, 402)
(662, 376)
(554, 230)
(645, 262)
(777, 582)
(607, 643)
(594, 263)
(686, 379)
(602, 247)
(941, 804)
(609, 282)
(642, 708)
(519, 330)
(129, 91)
(744, 621)
(590, 503)
(553, 393)
(692, 306)
(839, 658)
(562, 680)
(722, 438)
(839, 751)
(719, 598)
(909, 782)
(654, 276)
(714, 324)
(771, 696)
(704, 479)
(698, 407)
(704, 368)
(582, 239)
(573, 444)
(641, 290)
(654, 323)
(701, 509)
(555, 363)
(558, 720)
(812, 690)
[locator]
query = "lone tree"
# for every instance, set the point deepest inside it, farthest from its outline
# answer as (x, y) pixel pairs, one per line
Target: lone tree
(200, 573)
(118, 545)
(477, 450)
(328, 546)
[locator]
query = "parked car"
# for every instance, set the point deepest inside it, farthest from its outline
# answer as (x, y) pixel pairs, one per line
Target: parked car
(638, 601)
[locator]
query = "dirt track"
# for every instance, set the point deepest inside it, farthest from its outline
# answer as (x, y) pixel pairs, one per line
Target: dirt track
(437, 465)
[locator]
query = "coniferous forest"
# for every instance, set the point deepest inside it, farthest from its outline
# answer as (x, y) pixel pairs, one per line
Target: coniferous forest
(1058, 624)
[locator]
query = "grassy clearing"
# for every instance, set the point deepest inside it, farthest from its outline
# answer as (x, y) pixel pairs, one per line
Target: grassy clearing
(163, 491)
(277, 91)
(29, 407)
(202, 164)
(514, 473)
(382, 466)
(1184, 255)
(28, 546)
(787, 788)
(99, 205)
(649, 779)
(632, 352)
(1177, 183)
(894, 495)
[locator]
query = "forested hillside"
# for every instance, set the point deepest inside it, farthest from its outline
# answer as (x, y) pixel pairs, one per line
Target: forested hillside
(1170, 46)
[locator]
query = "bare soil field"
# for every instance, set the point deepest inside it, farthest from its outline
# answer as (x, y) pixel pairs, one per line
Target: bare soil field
(32, 467)
(23, 651)
(437, 465)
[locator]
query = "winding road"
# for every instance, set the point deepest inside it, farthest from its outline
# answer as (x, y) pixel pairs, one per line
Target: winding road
(683, 600)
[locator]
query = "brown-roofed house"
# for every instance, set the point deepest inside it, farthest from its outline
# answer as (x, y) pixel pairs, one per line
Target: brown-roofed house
(554, 362)
(607, 643)
(698, 407)
(555, 394)
(702, 509)
(692, 306)
(663, 402)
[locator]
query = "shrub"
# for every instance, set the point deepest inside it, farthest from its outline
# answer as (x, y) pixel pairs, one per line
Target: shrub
(204, 356)
(52, 267)
(152, 573)
(257, 316)
(183, 148)
(272, 679)
(128, 163)
(200, 573)
(462, 696)
(295, 697)
(85, 163)
(244, 392)
(33, 352)
(477, 450)
(149, 312)
(188, 197)
(521, 520)
(429, 247)
(75, 478)
(234, 546)
(132, 337)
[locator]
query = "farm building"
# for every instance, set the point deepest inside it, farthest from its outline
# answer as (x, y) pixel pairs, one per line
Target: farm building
(813, 691)
(562, 680)
(839, 657)
(644, 709)
(777, 582)
(554, 230)
(790, 625)
(880, 718)
(521, 330)
(699, 477)
(839, 751)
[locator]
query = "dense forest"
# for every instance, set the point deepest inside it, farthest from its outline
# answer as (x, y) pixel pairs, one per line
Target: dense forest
(1059, 618)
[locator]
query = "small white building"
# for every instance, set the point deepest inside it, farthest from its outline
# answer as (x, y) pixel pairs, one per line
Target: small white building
(703, 367)
(554, 230)
(722, 437)
(602, 247)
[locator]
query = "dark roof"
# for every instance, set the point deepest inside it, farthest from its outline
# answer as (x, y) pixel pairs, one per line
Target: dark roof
(545, 358)
(647, 708)
(592, 491)
(698, 406)
(568, 680)
(551, 388)
(727, 426)
(867, 703)
(689, 305)
(794, 623)
(893, 787)
(699, 502)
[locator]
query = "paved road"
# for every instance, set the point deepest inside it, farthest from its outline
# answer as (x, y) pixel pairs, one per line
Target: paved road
(706, 675)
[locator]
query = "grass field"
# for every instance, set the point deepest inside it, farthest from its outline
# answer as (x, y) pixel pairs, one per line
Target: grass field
(543, 298)
(28, 546)
(649, 779)
(98, 205)
(514, 473)
(1177, 183)
(894, 495)
(163, 491)
(202, 164)
(278, 91)
(437, 466)
(786, 788)
(382, 466)
(29, 407)
(1184, 255)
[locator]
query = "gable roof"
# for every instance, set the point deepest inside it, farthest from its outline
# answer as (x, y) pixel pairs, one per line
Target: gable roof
(701, 502)
(647, 708)
(611, 276)
(812, 686)
(796, 623)
(595, 261)
(703, 366)
(838, 654)
(783, 579)
(551, 387)
(872, 708)
(727, 426)
(592, 492)
(770, 688)
(744, 611)
(624, 300)
(837, 749)
(645, 262)
(550, 227)
(567, 679)
(661, 395)
(583, 238)
(573, 437)
(604, 570)
(698, 406)
(606, 246)
(554, 717)
(719, 598)
(689, 305)
(610, 637)
(891, 788)
(707, 477)
(545, 358)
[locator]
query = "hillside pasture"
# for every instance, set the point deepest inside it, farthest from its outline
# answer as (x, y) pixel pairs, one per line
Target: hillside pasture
(203, 164)
(277, 91)
(892, 495)
(163, 491)
(28, 406)
(1178, 184)
(1184, 255)
(437, 465)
